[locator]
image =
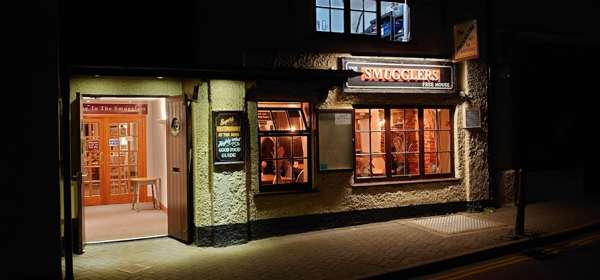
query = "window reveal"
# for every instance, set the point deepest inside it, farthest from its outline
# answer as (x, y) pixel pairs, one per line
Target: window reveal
(284, 138)
(419, 143)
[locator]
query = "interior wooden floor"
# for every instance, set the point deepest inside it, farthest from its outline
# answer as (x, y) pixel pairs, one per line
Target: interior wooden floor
(119, 221)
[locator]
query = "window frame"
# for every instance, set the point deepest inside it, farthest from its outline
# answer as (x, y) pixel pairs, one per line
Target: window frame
(388, 154)
(347, 21)
(307, 186)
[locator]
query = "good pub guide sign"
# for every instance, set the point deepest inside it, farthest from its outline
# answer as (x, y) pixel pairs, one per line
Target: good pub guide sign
(228, 145)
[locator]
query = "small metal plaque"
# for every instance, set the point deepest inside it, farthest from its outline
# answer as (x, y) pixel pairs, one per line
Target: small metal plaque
(472, 118)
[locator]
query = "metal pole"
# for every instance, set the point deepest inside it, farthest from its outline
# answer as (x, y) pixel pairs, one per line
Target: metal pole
(520, 217)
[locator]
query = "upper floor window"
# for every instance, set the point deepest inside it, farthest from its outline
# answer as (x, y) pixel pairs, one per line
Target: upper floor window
(386, 19)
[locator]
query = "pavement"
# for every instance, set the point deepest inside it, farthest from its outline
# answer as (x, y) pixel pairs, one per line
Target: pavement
(393, 249)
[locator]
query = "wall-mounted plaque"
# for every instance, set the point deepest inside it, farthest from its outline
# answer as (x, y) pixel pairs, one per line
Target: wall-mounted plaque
(472, 118)
(228, 145)
(399, 75)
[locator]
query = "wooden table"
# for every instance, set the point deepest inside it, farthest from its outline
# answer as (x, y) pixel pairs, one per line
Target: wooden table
(144, 181)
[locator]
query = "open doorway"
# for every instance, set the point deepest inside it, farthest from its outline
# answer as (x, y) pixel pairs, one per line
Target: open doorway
(124, 168)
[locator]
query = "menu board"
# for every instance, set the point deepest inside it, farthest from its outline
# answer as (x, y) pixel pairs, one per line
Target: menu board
(228, 145)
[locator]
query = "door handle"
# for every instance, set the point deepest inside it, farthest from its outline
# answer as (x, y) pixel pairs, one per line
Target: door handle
(175, 169)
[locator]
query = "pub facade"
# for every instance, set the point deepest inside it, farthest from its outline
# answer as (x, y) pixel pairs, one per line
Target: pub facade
(380, 123)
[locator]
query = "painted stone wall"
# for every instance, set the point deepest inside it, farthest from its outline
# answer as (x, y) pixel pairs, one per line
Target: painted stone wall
(219, 191)
(124, 86)
(476, 140)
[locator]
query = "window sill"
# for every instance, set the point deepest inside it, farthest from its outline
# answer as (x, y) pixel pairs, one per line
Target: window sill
(271, 193)
(398, 183)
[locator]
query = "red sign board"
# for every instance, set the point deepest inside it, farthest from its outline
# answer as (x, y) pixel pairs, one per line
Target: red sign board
(102, 108)
(399, 75)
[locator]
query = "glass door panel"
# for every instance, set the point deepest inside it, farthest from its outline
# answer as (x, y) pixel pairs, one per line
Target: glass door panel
(124, 160)
(92, 161)
(113, 153)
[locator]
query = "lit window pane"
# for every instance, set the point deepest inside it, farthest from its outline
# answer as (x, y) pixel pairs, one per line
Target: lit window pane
(267, 175)
(412, 142)
(296, 120)
(430, 119)
(363, 168)
(371, 5)
(412, 164)
(377, 142)
(398, 142)
(299, 147)
(444, 118)
(377, 119)
(284, 171)
(356, 4)
(265, 122)
(281, 121)
(392, 20)
(398, 167)
(361, 119)
(412, 119)
(356, 22)
(378, 165)
(267, 148)
(306, 110)
(337, 21)
(432, 163)
(370, 23)
(299, 171)
(337, 3)
(284, 147)
(445, 140)
(444, 162)
(322, 23)
(362, 143)
(431, 141)
(322, 3)
(397, 119)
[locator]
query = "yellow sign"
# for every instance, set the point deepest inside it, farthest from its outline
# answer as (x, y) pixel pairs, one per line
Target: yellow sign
(465, 41)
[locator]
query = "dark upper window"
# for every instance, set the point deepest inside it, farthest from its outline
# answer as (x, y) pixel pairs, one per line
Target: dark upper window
(284, 138)
(386, 19)
(402, 143)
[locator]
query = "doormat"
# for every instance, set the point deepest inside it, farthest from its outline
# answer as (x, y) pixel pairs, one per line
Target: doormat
(453, 224)
(133, 268)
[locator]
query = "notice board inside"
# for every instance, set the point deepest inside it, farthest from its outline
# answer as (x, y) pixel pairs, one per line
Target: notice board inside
(335, 140)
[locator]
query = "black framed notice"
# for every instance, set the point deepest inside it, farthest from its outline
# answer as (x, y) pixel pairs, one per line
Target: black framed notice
(228, 144)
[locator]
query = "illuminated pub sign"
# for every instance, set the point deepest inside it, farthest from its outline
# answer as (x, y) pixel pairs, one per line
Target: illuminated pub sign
(103, 108)
(227, 132)
(399, 75)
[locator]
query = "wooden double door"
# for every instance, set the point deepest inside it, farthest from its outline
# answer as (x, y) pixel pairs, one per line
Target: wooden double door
(114, 151)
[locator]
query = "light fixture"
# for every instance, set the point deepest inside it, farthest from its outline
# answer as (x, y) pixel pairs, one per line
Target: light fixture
(160, 77)
(96, 76)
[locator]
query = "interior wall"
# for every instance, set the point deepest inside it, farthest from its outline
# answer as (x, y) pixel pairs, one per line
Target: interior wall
(156, 146)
